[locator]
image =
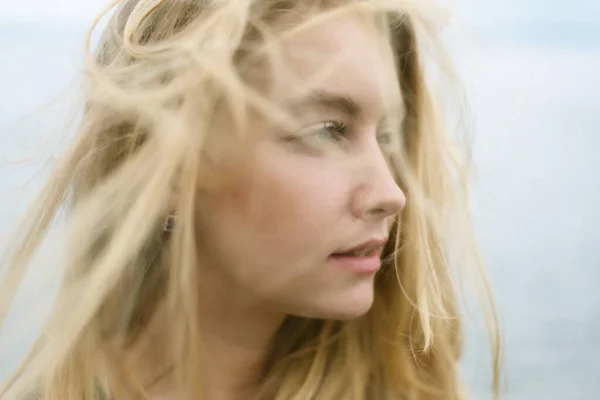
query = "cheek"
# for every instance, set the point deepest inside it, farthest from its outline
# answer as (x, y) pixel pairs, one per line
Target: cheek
(294, 202)
(274, 202)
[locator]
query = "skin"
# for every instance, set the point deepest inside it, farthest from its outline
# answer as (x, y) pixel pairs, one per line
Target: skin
(264, 241)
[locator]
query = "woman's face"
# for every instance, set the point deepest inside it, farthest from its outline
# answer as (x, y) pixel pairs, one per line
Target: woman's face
(275, 234)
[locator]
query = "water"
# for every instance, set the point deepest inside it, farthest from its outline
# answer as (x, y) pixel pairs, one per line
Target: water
(535, 199)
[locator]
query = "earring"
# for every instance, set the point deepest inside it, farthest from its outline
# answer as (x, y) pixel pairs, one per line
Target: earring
(169, 225)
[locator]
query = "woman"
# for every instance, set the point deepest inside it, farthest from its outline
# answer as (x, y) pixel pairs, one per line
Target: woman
(262, 203)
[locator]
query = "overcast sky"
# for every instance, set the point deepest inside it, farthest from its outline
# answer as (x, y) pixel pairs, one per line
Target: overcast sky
(541, 21)
(482, 11)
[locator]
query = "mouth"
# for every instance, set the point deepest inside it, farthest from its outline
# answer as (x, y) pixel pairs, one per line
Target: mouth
(362, 259)
(370, 248)
(371, 252)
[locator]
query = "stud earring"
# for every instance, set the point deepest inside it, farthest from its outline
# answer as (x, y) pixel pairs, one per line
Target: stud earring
(169, 225)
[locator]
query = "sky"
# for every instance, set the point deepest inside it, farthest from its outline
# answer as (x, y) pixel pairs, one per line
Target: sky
(573, 22)
(484, 12)
(490, 11)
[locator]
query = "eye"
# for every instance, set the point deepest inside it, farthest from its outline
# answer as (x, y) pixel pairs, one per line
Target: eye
(330, 130)
(384, 138)
(321, 135)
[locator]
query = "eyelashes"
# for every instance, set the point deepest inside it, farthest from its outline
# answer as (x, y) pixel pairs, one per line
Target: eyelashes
(321, 135)
(385, 138)
(333, 132)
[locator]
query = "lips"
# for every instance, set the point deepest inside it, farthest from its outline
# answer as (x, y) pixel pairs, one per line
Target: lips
(356, 253)
(362, 259)
(366, 249)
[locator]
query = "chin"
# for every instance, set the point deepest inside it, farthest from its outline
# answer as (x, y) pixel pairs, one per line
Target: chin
(348, 304)
(347, 314)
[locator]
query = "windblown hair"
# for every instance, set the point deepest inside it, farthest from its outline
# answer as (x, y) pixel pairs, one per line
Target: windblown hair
(152, 86)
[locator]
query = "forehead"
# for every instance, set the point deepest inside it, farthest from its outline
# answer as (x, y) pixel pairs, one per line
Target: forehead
(344, 57)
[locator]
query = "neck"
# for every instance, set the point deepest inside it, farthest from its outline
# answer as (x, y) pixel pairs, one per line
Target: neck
(236, 337)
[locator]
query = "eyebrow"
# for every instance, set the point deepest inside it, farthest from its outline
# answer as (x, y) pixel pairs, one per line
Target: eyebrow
(318, 99)
(335, 102)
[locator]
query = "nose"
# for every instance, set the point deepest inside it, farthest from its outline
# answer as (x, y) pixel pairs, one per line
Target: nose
(378, 195)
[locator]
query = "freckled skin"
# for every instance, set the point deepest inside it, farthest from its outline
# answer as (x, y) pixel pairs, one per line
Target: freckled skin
(267, 236)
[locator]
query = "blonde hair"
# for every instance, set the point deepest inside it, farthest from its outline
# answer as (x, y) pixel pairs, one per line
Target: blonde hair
(159, 72)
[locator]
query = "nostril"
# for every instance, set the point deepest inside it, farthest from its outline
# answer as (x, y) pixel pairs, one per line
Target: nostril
(379, 211)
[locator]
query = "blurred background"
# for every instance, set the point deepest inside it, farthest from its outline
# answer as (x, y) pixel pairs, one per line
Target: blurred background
(532, 70)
